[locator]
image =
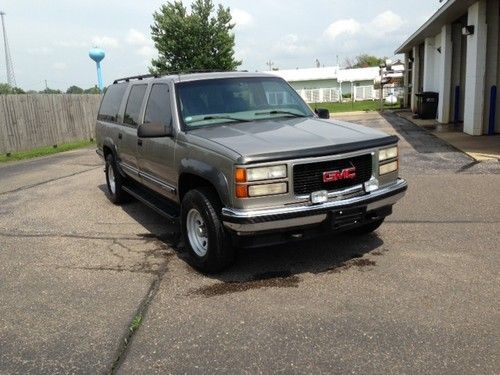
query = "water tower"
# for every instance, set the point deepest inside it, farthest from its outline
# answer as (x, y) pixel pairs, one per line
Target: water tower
(97, 55)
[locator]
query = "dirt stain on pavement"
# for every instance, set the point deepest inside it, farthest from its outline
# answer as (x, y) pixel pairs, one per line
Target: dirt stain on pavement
(356, 262)
(272, 279)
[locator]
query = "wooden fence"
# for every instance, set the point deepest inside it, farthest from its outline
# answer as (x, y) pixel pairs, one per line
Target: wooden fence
(36, 120)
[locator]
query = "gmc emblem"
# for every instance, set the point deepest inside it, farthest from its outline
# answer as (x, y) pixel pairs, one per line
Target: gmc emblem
(343, 174)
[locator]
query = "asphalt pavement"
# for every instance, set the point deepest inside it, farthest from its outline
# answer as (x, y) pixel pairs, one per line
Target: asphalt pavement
(90, 287)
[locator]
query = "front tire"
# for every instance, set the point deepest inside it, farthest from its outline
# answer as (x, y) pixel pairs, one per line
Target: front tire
(205, 238)
(114, 181)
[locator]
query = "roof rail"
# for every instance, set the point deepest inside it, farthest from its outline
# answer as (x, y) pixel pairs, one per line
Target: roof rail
(176, 72)
(139, 77)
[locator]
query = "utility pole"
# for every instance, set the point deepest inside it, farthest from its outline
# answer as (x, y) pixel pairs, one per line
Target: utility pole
(46, 87)
(270, 64)
(11, 79)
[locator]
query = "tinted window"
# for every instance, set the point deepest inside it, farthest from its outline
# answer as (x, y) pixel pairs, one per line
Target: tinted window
(134, 102)
(232, 100)
(110, 104)
(158, 107)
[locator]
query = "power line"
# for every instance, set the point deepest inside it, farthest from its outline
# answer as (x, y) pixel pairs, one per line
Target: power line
(11, 79)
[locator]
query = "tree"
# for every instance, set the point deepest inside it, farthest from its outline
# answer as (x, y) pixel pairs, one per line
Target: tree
(74, 90)
(48, 90)
(5, 88)
(200, 40)
(364, 61)
(92, 90)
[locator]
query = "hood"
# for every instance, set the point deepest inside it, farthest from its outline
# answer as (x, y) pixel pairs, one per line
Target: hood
(280, 139)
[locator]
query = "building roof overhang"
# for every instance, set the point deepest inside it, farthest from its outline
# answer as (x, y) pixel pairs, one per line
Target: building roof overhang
(448, 13)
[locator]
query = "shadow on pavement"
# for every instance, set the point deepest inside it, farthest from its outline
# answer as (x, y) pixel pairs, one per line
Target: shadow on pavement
(274, 266)
(420, 139)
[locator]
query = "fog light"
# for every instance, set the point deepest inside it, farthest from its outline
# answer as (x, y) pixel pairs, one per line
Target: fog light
(371, 184)
(319, 196)
(388, 168)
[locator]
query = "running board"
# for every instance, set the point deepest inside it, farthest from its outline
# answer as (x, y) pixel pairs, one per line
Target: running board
(151, 199)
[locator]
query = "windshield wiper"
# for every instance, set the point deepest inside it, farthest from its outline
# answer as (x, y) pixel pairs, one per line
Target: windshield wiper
(217, 117)
(279, 112)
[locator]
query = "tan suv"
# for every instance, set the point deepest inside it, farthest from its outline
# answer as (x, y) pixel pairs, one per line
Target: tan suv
(239, 159)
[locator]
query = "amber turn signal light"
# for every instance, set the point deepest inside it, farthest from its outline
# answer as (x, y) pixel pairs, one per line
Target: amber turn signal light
(241, 191)
(240, 175)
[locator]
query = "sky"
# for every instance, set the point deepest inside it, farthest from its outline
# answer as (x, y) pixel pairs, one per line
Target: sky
(50, 39)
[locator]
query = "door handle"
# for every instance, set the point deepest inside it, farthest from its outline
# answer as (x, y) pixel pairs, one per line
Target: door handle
(139, 142)
(119, 135)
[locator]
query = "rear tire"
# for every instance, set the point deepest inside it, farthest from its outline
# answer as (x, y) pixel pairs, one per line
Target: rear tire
(367, 228)
(114, 181)
(205, 238)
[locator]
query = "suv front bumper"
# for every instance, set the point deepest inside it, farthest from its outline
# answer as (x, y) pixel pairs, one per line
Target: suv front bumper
(248, 222)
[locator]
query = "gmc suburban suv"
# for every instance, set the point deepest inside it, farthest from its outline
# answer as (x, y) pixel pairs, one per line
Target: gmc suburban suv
(239, 159)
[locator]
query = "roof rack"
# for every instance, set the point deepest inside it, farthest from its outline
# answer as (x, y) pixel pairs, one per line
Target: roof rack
(139, 77)
(177, 72)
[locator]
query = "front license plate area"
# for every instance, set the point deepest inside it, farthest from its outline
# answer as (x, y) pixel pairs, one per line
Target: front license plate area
(347, 217)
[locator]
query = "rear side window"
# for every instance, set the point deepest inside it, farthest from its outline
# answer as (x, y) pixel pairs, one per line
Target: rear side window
(110, 104)
(158, 107)
(134, 102)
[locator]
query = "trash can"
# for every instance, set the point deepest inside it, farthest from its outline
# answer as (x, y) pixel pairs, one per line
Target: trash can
(427, 103)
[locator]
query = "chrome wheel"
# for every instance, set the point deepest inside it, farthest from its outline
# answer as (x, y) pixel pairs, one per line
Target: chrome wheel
(197, 232)
(111, 179)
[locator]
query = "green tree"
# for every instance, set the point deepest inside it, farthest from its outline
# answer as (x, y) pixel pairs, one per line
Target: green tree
(8, 89)
(74, 90)
(92, 90)
(200, 40)
(364, 61)
(48, 90)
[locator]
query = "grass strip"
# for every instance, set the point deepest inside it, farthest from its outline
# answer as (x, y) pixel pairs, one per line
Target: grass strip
(44, 151)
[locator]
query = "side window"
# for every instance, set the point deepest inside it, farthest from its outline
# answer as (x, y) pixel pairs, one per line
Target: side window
(134, 102)
(111, 101)
(158, 107)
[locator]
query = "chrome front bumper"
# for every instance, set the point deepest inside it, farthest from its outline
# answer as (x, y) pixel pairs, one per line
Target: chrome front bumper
(250, 221)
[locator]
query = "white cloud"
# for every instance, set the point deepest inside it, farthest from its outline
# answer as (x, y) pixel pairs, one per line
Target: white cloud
(70, 44)
(105, 42)
(135, 37)
(381, 25)
(291, 45)
(59, 66)
(340, 27)
(147, 51)
(141, 44)
(39, 51)
(241, 17)
(386, 22)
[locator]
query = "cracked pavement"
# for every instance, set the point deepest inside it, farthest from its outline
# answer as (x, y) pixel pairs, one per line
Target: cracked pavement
(418, 296)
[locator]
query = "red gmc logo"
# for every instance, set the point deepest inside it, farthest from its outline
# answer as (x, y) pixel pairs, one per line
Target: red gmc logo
(344, 174)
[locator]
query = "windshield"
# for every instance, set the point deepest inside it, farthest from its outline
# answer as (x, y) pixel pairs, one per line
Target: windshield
(234, 100)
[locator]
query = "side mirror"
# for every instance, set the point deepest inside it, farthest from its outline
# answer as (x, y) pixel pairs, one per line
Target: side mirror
(322, 113)
(154, 130)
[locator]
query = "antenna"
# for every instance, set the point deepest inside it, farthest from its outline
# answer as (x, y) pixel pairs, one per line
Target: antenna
(11, 79)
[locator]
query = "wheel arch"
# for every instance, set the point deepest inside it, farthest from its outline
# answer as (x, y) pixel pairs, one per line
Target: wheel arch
(195, 173)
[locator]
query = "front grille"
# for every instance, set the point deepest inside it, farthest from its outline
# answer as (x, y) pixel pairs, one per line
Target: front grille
(309, 177)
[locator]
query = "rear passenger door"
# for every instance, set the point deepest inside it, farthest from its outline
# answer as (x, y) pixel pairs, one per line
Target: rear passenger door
(128, 132)
(156, 155)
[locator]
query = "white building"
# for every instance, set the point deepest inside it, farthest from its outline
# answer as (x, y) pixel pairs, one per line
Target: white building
(456, 53)
(327, 84)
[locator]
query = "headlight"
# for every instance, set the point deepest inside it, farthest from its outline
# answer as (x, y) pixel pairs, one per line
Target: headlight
(265, 173)
(388, 168)
(388, 153)
(246, 176)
